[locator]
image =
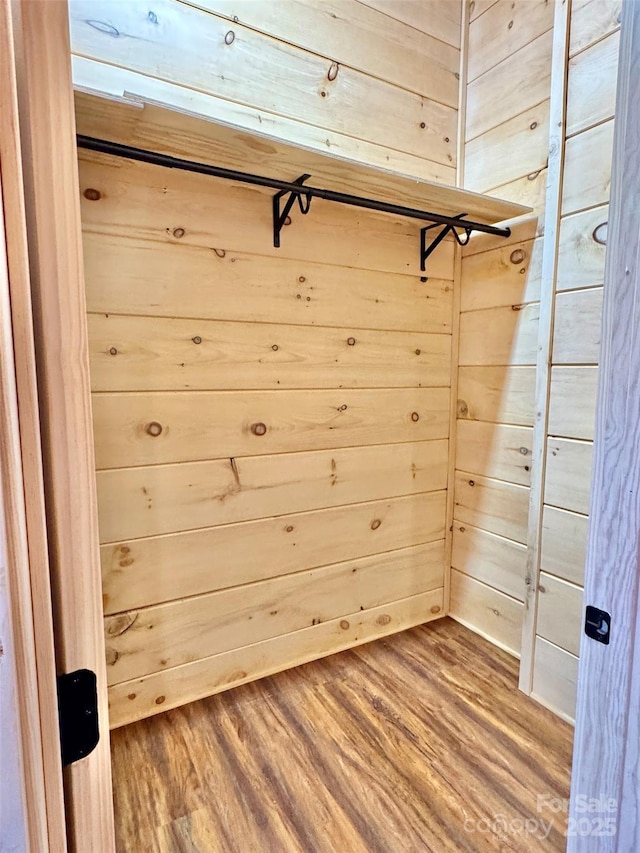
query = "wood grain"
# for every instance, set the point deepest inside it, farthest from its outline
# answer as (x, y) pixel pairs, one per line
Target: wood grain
(591, 88)
(513, 338)
(568, 479)
(156, 638)
(441, 20)
(140, 572)
(495, 450)
(592, 20)
(490, 613)
(564, 544)
(156, 428)
(580, 256)
(506, 275)
(587, 171)
(317, 759)
(555, 679)
(157, 354)
(572, 402)
(494, 560)
(142, 278)
(502, 395)
(580, 309)
(560, 613)
(151, 500)
(492, 505)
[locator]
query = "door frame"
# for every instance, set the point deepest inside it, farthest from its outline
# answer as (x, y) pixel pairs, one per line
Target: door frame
(42, 62)
(45, 95)
(606, 746)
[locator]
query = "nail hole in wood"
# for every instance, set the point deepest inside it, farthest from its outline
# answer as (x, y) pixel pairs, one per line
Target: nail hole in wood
(351, 342)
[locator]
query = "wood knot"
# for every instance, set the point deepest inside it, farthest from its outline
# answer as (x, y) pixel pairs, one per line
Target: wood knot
(422, 125)
(463, 409)
(160, 700)
(533, 125)
(301, 279)
(118, 625)
(344, 625)
(383, 620)
(415, 417)
(472, 482)
(153, 429)
(230, 37)
(600, 233)
(333, 71)
(92, 195)
(435, 609)
(524, 450)
(112, 656)
(287, 220)
(221, 253)
(258, 428)
(517, 256)
(289, 528)
(351, 342)
(375, 524)
(418, 352)
(113, 351)
(131, 696)
(197, 339)
(275, 347)
(178, 233)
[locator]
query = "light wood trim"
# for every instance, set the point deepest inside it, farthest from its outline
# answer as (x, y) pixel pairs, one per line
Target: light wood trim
(606, 750)
(28, 565)
(462, 92)
(557, 117)
(51, 191)
(453, 418)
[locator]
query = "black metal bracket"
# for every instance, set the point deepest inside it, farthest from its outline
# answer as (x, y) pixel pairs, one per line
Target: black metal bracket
(461, 240)
(78, 714)
(280, 217)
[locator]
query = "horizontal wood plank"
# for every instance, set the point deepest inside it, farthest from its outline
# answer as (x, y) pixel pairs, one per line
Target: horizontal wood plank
(168, 635)
(529, 190)
(492, 505)
(507, 275)
(490, 613)
(495, 450)
(158, 427)
(572, 403)
(555, 676)
(157, 499)
(148, 353)
(140, 572)
(493, 560)
(183, 209)
(580, 255)
(564, 544)
(134, 700)
(187, 46)
(592, 83)
(441, 20)
(568, 474)
(560, 613)
(522, 143)
(147, 278)
(587, 168)
(577, 327)
(357, 36)
(497, 394)
(592, 20)
(504, 29)
(499, 336)
(514, 85)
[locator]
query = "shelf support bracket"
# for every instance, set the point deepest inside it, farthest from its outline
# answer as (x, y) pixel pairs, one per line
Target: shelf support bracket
(426, 250)
(280, 216)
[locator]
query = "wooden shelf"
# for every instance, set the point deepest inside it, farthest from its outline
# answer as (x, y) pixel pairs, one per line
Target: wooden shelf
(129, 108)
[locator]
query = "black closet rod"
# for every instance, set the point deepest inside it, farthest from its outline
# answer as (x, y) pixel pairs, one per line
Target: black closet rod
(296, 189)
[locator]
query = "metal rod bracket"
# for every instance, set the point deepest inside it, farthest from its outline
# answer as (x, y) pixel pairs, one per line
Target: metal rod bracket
(280, 216)
(461, 239)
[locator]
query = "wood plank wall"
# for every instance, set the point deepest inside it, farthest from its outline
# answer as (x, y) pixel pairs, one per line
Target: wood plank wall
(375, 81)
(500, 292)
(591, 89)
(271, 426)
(506, 144)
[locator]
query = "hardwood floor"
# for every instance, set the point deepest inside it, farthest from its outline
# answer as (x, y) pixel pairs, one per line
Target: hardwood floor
(418, 742)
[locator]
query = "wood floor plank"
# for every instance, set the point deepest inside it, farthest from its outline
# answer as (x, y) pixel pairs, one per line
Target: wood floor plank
(419, 742)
